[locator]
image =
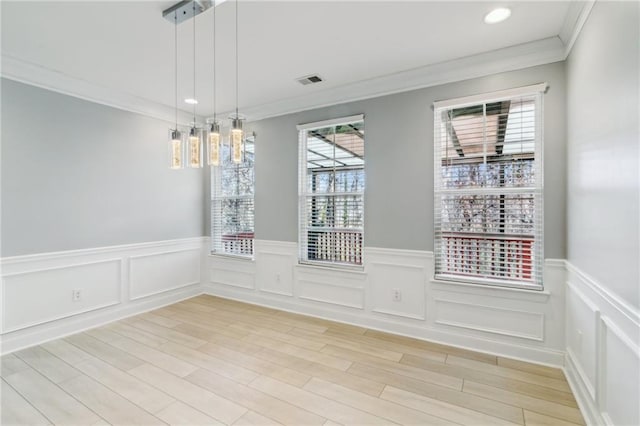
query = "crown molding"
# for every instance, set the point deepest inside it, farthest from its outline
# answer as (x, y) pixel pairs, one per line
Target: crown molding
(507, 59)
(502, 60)
(25, 72)
(575, 19)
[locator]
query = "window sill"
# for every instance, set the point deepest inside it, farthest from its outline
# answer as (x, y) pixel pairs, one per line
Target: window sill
(533, 294)
(332, 269)
(225, 256)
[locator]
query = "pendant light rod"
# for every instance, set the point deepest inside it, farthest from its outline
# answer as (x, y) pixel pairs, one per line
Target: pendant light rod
(195, 141)
(194, 64)
(214, 130)
(237, 135)
(214, 63)
(175, 61)
(176, 153)
(236, 58)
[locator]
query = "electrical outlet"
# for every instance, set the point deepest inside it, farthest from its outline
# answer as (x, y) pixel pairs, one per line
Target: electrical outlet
(397, 295)
(76, 295)
(277, 278)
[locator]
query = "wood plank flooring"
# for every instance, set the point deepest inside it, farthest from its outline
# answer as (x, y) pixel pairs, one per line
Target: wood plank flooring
(210, 361)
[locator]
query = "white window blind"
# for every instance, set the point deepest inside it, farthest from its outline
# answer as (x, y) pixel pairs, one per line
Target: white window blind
(331, 192)
(232, 211)
(488, 189)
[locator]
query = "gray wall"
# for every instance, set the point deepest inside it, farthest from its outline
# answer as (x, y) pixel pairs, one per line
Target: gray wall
(399, 162)
(603, 149)
(76, 175)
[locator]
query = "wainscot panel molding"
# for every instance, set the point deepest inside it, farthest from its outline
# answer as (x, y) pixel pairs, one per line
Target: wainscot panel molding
(337, 287)
(529, 317)
(404, 270)
(274, 273)
(365, 298)
(233, 271)
(602, 351)
(101, 282)
(490, 319)
(114, 282)
(155, 273)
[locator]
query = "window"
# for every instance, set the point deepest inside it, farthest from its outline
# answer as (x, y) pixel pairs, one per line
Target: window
(331, 189)
(488, 188)
(232, 212)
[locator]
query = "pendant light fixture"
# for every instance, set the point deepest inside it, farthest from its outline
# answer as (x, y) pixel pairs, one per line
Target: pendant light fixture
(214, 130)
(214, 144)
(237, 135)
(195, 141)
(175, 137)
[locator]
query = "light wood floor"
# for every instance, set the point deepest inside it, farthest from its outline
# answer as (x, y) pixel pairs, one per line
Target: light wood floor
(213, 361)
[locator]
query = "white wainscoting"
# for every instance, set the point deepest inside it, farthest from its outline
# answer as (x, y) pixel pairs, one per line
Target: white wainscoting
(589, 330)
(403, 270)
(603, 351)
(333, 287)
(528, 321)
(29, 298)
(155, 273)
(114, 282)
(490, 319)
(460, 315)
(234, 272)
(274, 267)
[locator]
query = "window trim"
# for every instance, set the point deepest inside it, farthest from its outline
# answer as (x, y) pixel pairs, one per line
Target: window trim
(302, 174)
(332, 122)
(538, 91)
(489, 97)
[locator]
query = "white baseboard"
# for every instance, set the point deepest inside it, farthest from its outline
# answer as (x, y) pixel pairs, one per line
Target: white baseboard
(114, 282)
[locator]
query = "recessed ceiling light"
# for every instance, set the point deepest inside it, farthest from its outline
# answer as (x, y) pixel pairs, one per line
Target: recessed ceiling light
(497, 15)
(191, 101)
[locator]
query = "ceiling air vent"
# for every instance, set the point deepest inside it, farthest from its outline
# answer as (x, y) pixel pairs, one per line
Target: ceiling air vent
(309, 79)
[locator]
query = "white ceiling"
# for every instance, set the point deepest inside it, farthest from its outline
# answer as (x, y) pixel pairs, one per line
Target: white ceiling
(126, 47)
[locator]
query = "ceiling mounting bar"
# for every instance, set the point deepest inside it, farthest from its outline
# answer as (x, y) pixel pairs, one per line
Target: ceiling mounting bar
(185, 10)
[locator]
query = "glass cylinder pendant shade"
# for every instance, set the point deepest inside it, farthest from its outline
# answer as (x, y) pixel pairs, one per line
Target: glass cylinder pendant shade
(237, 138)
(214, 144)
(195, 149)
(175, 150)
